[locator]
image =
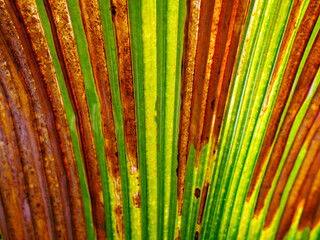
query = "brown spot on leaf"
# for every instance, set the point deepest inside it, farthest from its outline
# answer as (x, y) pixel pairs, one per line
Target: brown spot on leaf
(136, 199)
(197, 193)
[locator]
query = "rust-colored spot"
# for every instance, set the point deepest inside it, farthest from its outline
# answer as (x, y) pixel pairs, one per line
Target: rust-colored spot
(136, 199)
(119, 218)
(197, 193)
(196, 236)
(203, 201)
(113, 10)
(178, 234)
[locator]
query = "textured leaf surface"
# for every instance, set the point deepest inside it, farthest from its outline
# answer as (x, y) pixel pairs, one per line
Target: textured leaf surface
(159, 119)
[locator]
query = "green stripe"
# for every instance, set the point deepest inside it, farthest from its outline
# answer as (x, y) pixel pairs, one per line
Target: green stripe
(234, 167)
(149, 39)
(271, 231)
(207, 220)
(260, 130)
(257, 223)
(315, 233)
(304, 235)
(187, 194)
(162, 198)
(168, 63)
(174, 60)
(143, 22)
(137, 46)
(71, 121)
(94, 109)
(197, 188)
(295, 223)
(132, 215)
(232, 113)
(251, 143)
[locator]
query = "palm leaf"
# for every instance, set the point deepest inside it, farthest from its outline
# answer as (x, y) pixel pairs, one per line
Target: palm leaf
(159, 119)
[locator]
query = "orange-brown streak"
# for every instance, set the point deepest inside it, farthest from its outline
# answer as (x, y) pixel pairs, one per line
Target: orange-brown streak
(92, 24)
(308, 126)
(226, 24)
(64, 30)
(3, 222)
(50, 146)
(14, 161)
(300, 93)
(315, 195)
(207, 34)
(190, 49)
(24, 70)
(22, 128)
(68, 167)
(54, 167)
(218, 94)
(298, 47)
(63, 68)
(310, 214)
(234, 34)
(302, 184)
(119, 11)
(11, 205)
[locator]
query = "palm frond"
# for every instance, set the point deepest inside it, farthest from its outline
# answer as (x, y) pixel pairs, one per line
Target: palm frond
(159, 119)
